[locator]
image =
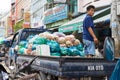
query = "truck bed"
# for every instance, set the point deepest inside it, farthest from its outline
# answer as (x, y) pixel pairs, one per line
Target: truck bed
(70, 66)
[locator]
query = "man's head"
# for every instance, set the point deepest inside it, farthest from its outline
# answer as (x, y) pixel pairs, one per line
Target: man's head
(90, 10)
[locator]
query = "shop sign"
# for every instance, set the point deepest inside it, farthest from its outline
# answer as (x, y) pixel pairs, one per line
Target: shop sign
(55, 14)
(82, 4)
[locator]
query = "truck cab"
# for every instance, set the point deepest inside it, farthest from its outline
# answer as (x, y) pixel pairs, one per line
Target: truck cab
(57, 68)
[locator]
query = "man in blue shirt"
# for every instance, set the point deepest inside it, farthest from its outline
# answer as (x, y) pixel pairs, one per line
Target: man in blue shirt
(89, 38)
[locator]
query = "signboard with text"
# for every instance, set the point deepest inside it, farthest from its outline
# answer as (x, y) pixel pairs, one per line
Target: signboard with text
(55, 14)
(82, 4)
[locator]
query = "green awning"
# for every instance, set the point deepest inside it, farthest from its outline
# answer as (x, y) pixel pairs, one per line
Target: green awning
(70, 27)
(76, 24)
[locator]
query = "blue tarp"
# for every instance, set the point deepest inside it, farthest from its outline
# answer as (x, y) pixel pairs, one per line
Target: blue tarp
(116, 73)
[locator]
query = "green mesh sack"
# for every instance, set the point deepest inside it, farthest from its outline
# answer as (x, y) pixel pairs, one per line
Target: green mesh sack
(34, 46)
(23, 43)
(55, 54)
(21, 50)
(54, 46)
(38, 40)
(82, 53)
(1, 41)
(73, 51)
(80, 47)
(64, 51)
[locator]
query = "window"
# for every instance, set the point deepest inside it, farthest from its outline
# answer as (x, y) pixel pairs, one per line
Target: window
(22, 13)
(48, 6)
(13, 8)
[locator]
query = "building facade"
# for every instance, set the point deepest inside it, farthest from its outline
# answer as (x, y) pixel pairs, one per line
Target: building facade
(20, 11)
(59, 12)
(5, 28)
(22, 6)
(37, 12)
(12, 14)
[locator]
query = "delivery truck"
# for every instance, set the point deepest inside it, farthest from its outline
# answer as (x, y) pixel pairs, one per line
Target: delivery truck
(59, 67)
(38, 67)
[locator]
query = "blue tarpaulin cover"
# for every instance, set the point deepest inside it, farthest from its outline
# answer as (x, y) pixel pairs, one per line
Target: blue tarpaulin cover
(116, 73)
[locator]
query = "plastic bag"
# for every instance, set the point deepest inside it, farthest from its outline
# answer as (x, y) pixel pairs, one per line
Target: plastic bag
(59, 34)
(33, 39)
(22, 50)
(30, 37)
(80, 47)
(26, 46)
(81, 53)
(54, 46)
(64, 51)
(55, 54)
(34, 46)
(38, 40)
(73, 51)
(1, 41)
(23, 43)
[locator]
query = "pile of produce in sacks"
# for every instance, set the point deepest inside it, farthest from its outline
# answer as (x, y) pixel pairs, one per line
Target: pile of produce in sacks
(59, 43)
(2, 41)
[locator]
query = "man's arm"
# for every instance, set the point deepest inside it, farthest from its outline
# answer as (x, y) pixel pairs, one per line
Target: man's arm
(93, 35)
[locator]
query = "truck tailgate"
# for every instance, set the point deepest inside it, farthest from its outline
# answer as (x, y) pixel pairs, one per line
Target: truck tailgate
(70, 66)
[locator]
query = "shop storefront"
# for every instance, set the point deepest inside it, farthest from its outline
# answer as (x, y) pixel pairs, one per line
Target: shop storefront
(56, 16)
(76, 24)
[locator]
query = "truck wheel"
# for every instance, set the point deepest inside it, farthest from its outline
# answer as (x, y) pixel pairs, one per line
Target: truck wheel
(41, 76)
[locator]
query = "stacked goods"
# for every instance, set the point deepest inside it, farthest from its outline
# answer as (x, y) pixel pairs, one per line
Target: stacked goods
(2, 41)
(59, 44)
(54, 47)
(37, 40)
(22, 47)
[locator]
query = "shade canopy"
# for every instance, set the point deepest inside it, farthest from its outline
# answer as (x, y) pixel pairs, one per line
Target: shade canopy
(76, 24)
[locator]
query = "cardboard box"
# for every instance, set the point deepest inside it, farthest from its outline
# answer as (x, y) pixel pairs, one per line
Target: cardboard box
(43, 50)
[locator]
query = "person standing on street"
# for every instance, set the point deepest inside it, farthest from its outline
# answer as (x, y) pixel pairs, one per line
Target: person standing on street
(89, 38)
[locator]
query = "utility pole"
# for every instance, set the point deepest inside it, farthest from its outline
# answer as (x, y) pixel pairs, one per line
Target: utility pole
(115, 25)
